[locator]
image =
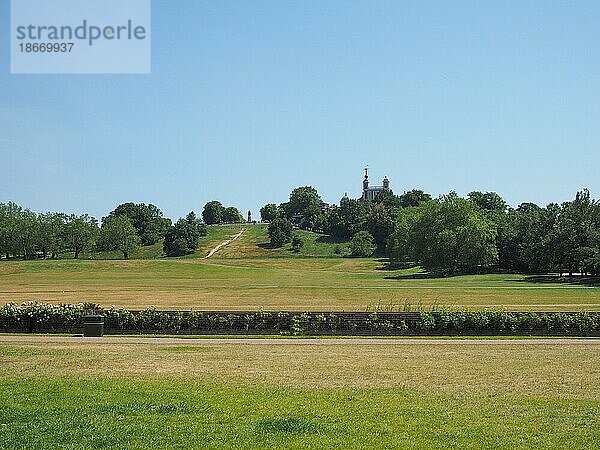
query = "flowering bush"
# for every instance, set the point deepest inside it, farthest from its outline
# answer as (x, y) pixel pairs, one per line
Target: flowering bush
(44, 317)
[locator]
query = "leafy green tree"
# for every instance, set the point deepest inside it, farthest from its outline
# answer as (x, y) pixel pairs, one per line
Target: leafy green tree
(496, 209)
(588, 259)
(380, 224)
(148, 221)
(193, 220)
(388, 199)
(21, 231)
(349, 218)
(51, 227)
(523, 238)
(488, 201)
(232, 215)
(321, 222)
(181, 238)
(414, 197)
(26, 234)
(280, 232)
(564, 245)
(9, 215)
(306, 202)
(213, 212)
(362, 244)
(283, 209)
(118, 233)
(452, 235)
(269, 212)
(575, 233)
(302, 199)
(399, 246)
(311, 218)
(507, 242)
(3, 231)
(80, 233)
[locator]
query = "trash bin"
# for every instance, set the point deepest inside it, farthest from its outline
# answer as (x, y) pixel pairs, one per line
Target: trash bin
(93, 326)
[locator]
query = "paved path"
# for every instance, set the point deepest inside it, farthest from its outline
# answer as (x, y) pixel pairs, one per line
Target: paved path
(223, 244)
(301, 341)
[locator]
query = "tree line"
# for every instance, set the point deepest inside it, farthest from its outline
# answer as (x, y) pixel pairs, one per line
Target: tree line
(445, 235)
(450, 234)
(26, 234)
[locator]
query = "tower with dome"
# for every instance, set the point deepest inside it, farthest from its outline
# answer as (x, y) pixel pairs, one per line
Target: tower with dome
(369, 192)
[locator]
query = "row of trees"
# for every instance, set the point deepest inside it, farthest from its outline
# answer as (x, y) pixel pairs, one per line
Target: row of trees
(451, 234)
(23, 233)
(446, 235)
(26, 234)
(214, 212)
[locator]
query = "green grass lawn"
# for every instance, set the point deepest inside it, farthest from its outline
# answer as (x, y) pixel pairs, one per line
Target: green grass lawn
(79, 396)
(276, 284)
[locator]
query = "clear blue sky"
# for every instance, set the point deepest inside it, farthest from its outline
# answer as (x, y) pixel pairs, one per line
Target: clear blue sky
(248, 100)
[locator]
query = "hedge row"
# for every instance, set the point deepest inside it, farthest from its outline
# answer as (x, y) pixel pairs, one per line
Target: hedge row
(32, 317)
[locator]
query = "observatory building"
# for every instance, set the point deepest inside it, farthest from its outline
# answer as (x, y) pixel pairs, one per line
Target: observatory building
(369, 192)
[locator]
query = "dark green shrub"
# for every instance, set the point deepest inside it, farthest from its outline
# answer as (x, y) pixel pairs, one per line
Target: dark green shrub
(150, 319)
(118, 318)
(297, 244)
(497, 321)
(530, 321)
(334, 322)
(32, 317)
(300, 324)
(362, 244)
(560, 322)
(373, 322)
(283, 322)
(402, 327)
(585, 323)
(195, 320)
(280, 231)
(319, 323)
(263, 319)
(426, 322)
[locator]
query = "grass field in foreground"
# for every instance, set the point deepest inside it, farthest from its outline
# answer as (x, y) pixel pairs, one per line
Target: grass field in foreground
(77, 395)
(276, 284)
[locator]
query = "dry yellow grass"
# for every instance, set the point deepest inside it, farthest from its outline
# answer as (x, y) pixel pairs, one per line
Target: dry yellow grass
(478, 369)
(274, 284)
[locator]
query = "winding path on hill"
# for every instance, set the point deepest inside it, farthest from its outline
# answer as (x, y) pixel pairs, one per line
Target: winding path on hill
(223, 244)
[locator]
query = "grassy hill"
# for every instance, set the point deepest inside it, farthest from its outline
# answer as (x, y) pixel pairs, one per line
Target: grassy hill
(247, 274)
(254, 243)
(214, 236)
